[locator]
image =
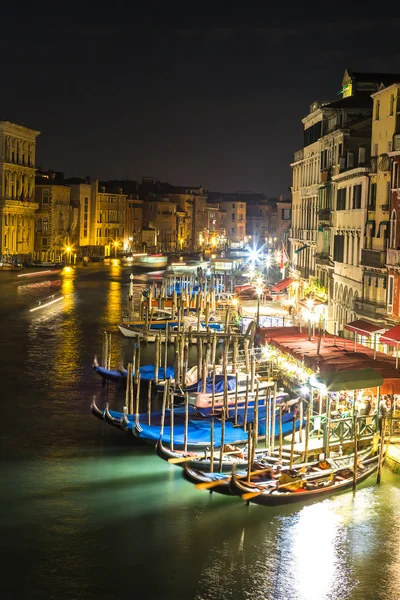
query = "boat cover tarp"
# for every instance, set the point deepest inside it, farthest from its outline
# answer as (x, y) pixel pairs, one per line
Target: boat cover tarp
(147, 373)
(198, 433)
(359, 379)
(219, 384)
(179, 414)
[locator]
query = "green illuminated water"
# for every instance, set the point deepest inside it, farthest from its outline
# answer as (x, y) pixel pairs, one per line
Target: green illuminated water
(87, 515)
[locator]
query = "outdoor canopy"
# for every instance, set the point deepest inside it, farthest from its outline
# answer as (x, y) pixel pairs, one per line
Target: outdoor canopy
(347, 380)
(392, 336)
(282, 285)
(364, 328)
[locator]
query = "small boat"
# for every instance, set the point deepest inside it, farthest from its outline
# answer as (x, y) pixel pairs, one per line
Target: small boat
(190, 266)
(138, 329)
(147, 373)
(232, 458)
(127, 421)
(204, 399)
(148, 261)
(309, 487)
(220, 481)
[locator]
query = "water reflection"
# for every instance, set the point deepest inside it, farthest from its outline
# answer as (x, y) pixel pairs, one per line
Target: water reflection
(91, 516)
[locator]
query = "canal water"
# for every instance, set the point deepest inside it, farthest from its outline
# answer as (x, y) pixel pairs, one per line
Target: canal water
(87, 515)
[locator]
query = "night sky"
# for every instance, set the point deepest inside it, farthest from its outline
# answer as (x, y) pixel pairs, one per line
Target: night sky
(184, 92)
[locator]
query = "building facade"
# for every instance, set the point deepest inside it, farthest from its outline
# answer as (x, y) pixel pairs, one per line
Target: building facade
(235, 223)
(17, 190)
(107, 219)
(54, 221)
(161, 215)
(133, 224)
(375, 299)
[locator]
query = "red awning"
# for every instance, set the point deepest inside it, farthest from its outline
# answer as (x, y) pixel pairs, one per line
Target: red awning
(363, 327)
(282, 285)
(392, 336)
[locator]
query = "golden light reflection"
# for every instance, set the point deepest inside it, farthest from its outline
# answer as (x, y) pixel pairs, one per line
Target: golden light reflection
(67, 342)
(314, 543)
(114, 303)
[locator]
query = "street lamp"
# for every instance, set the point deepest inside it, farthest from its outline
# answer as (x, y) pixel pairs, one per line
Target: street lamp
(68, 250)
(259, 290)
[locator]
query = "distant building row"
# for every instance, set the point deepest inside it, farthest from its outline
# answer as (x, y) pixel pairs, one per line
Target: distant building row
(42, 213)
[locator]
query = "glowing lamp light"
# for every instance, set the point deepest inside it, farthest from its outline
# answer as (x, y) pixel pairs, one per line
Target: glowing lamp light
(310, 303)
(235, 301)
(116, 244)
(68, 248)
(259, 281)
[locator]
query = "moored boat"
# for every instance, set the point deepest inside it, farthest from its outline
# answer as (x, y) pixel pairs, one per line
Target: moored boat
(147, 373)
(219, 481)
(198, 434)
(148, 261)
(310, 487)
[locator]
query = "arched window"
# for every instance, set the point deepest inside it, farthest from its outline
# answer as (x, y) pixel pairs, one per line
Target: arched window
(39, 225)
(45, 196)
(45, 224)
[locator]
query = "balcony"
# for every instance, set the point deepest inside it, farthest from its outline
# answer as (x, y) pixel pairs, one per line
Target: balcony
(323, 258)
(392, 257)
(305, 272)
(324, 214)
(396, 142)
(299, 155)
(364, 308)
(325, 175)
(373, 258)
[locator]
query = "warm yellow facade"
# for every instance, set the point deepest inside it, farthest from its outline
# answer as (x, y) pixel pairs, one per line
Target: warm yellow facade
(17, 189)
(384, 119)
(54, 222)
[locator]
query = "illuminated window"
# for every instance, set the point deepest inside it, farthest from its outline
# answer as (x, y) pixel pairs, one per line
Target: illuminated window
(45, 224)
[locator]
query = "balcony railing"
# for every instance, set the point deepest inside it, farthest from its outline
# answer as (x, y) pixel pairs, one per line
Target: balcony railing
(364, 308)
(305, 272)
(323, 258)
(373, 258)
(392, 256)
(324, 214)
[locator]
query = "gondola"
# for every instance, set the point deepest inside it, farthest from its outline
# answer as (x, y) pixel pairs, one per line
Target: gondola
(198, 434)
(221, 480)
(312, 487)
(147, 373)
(233, 458)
